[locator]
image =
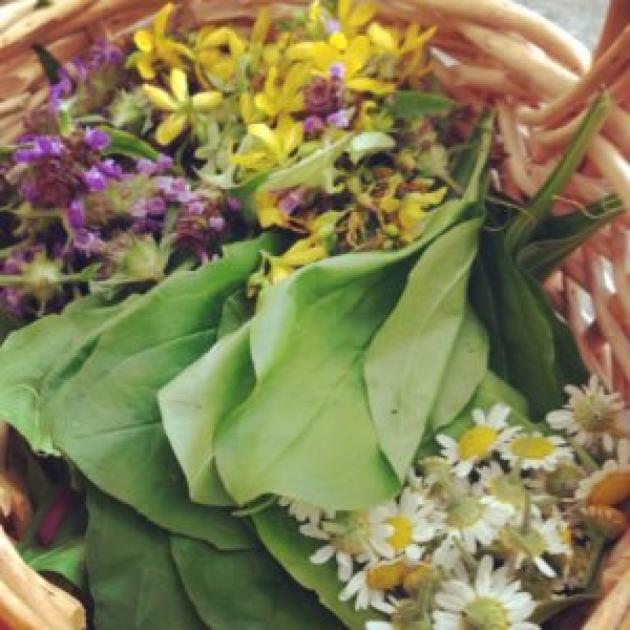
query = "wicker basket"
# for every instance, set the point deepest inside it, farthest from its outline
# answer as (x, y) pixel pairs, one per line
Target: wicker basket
(538, 77)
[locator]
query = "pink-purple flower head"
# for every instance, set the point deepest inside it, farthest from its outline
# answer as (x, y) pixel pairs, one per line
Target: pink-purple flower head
(149, 167)
(341, 118)
(34, 148)
(94, 179)
(313, 125)
(337, 71)
(97, 139)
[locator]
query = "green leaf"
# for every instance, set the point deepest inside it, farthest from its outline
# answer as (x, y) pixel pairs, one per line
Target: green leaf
(562, 235)
(194, 403)
(466, 367)
(245, 589)
(245, 194)
(315, 171)
(237, 310)
(8, 324)
(402, 384)
(106, 417)
(280, 534)
(49, 63)
(525, 224)
(30, 356)
(67, 560)
(133, 579)
(309, 413)
(412, 104)
(126, 144)
(369, 143)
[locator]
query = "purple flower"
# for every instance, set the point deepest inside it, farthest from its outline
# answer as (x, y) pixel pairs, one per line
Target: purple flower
(216, 223)
(38, 147)
(110, 169)
(234, 204)
(76, 215)
(152, 207)
(88, 242)
(332, 26)
(176, 189)
(59, 91)
(313, 125)
(97, 139)
(292, 200)
(196, 208)
(150, 168)
(323, 96)
(341, 118)
(337, 71)
(94, 179)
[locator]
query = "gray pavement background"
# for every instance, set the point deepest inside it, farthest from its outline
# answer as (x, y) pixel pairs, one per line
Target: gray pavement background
(583, 18)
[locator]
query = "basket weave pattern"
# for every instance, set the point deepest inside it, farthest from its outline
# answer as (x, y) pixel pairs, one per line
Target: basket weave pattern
(497, 52)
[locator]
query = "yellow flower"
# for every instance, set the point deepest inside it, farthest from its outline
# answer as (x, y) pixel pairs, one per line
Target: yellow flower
(286, 98)
(247, 108)
(410, 46)
(210, 52)
(276, 146)
(413, 211)
(352, 18)
(268, 212)
(182, 109)
(155, 46)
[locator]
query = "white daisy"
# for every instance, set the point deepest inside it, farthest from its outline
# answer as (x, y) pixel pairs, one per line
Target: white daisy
(369, 585)
(303, 511)
(493, 601)
(480, 441)
(611, 484)
(589, 414)
(401, 526)
(533, 451)
(347, 540)
(475, 520)
(551, 537)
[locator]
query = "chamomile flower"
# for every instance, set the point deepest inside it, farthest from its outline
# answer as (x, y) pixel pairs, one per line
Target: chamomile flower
(478, 443)
(368, 586)
(347, 539)
(589, 414)
(533, 451)
(542, 538)
(475, 521)
(611, 484)
(303, 511)
(401, 526)
(493, 601)
(407, 614)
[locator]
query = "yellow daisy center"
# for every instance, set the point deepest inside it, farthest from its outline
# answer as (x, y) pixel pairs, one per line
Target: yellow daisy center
(403, 532)
(532, 447)
(386, 576)
(613, 489)
(477, 442)
(486, 613)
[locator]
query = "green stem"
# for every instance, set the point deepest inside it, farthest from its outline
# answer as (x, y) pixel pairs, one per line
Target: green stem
(592, 570)
(527, 512)
(525, 224)
(585, 459)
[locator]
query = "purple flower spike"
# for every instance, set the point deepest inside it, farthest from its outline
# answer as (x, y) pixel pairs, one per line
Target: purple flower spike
(88, 242)
(332, 26)
(156, 206)
(234, 204)
(150, 168)
(76, 215)
(94, 180)
(196, 208)
(340, 119)
(313, 125)
(164, 163)
(59, 91)
(292, 200)
(337, 71)
(40, 147)
(96, 139)
(110, 169)
(217, 223)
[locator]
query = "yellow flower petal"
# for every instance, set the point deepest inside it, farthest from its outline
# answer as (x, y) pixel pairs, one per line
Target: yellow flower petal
(361, 16)
(206, 101)
(179, 85)
(303, 253)
(144, 40)
(357, 55)
(303, 51)
(295, 80)
(145, 67)
(171, 128)
(160, 23)
(263, 103)
(338, 41)
(343, 10)
(382, 38)
(261, 26)
(266, 136)
(160, 98)
(373, 86)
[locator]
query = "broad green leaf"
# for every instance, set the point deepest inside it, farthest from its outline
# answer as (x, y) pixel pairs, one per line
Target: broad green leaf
(237, 309)
(245, 589)
(280, 534)
(315, 171)
(30, 356)
(67, 560)
(245, 194)
(128, 145)
(466, 367)
(309, 414)
(193, 404)
(133, 579)
(8, 324)
(106, 416)
(412, 104)
(407, 360)
(369, 143)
